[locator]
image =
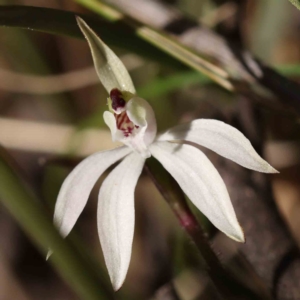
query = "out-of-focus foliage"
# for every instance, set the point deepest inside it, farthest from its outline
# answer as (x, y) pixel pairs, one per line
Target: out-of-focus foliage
(48, 134)
(296, 3)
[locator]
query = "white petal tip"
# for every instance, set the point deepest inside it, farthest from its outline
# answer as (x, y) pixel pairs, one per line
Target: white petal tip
(238, 236)
(273, 171)
(117, 279)
(117, 285)
(262, 166)
(268, 169)
(50, 252)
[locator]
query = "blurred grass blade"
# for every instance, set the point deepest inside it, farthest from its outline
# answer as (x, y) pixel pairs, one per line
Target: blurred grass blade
(61, 22)
(123, 32)
(25, 208)
(164, 42)
(290, 70)
(185, 55)
(53, 84)
(164, 85)
(296, 3)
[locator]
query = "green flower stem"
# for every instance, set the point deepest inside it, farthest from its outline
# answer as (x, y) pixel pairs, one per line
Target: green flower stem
(227, 286)
(25, 208)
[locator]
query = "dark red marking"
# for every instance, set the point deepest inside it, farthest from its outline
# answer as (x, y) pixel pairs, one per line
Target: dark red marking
(117, 100)
(124, 124)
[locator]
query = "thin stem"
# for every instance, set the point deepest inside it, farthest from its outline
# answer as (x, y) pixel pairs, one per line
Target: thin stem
(226, 285)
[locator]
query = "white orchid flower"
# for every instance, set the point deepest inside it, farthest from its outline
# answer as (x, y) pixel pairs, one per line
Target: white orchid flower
(132, 121)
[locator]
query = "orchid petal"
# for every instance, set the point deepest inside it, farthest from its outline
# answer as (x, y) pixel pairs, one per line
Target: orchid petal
(136, 110)
(111, 71)
(201, 182)
(116, 216)
(76, 188)
(140, 112)
(222, 139)
(137, 144)
(110, 121)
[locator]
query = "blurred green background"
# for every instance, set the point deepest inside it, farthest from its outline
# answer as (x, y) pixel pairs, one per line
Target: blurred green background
(51, 107)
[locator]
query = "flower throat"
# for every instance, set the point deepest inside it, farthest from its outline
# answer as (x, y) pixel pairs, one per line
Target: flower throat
(123, 122)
